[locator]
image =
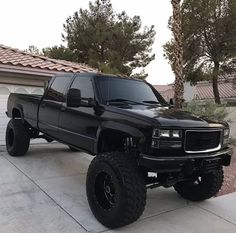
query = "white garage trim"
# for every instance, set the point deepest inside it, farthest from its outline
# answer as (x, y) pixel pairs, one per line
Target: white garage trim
(4, 91)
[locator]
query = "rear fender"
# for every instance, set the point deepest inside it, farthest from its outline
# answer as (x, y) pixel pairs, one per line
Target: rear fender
(20, 109)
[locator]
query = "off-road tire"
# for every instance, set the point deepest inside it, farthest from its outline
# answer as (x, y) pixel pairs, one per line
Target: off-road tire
(128, 183)
(208, 187)
(17, 138)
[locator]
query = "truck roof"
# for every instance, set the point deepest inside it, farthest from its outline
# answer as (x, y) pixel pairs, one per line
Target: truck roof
(100, 75)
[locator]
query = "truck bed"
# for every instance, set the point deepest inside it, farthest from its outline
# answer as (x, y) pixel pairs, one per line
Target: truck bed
(28, 105)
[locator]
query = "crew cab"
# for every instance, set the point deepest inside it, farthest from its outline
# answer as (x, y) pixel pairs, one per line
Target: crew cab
(139, 140)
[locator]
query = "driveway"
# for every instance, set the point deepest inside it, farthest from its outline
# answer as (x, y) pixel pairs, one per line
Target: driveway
(44, 191)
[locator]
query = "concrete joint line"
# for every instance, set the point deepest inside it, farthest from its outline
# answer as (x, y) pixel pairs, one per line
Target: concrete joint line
(216, 215)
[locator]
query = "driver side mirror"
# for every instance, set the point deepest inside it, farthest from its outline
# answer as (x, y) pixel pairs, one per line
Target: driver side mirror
(74, 98)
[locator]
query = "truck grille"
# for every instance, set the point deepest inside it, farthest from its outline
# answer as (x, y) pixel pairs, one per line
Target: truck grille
(202, 141)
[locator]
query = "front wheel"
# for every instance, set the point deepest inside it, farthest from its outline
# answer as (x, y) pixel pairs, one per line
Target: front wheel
(116, 189)
(201, 187)
(17, 138)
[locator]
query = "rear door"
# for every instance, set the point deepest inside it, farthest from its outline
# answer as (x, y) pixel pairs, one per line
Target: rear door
(78, 126)
(50, 106)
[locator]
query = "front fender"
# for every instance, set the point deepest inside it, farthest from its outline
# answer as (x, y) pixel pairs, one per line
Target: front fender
(134, 132)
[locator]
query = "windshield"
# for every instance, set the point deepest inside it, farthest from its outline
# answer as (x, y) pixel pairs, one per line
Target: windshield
(129, 91)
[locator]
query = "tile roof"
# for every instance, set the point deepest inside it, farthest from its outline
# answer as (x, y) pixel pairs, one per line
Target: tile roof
(167, 91)
(15, 57)
(204, 90)
(163, 88)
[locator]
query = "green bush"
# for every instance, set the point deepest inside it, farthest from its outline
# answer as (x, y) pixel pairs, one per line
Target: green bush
(208, 110)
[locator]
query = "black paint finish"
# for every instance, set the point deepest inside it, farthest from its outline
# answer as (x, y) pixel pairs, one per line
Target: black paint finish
(82, 126)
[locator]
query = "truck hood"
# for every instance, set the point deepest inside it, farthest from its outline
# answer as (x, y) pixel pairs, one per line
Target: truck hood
(165, 117)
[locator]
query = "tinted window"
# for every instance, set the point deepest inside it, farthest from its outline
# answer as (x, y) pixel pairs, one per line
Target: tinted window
(56, 90)
(85, 85)
(118, 88)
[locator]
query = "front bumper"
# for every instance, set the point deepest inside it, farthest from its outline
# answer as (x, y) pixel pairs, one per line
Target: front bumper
(182, 163)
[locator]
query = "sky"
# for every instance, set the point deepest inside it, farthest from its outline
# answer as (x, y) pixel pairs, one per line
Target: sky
(40, 23)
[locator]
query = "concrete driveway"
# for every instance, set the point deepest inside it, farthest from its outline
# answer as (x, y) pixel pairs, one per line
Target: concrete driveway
(44, 191)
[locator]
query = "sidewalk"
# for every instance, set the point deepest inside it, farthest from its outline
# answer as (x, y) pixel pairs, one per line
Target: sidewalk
(44, 192)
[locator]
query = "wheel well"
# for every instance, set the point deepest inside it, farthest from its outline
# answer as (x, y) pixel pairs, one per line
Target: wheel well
(16, 113)
(113, 140)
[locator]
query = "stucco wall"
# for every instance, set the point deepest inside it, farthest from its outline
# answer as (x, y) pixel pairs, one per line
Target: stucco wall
(22, 79)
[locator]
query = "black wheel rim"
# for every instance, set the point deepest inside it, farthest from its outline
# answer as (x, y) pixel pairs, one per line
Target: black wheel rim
(198, 181)
(105, 191)
(10, 137)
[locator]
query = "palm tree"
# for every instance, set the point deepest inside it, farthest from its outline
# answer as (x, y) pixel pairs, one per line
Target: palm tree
(178, 64)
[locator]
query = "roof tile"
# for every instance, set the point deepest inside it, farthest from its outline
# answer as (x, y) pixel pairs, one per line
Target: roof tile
(204, 90)
(16, 57)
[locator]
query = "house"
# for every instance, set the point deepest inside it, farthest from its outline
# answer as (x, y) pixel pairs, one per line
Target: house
(21, 72)
(202, 91)
(166, 91)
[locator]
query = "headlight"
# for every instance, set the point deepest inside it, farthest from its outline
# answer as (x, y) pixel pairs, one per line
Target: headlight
(176, 134)
(166, 133)
(226, 132)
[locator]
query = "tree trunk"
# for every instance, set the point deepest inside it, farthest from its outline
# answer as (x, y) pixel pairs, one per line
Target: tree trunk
(178, 53)
(215, 83)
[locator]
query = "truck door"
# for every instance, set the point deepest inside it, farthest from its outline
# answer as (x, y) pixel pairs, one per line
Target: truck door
(50, 106)
(78, 126)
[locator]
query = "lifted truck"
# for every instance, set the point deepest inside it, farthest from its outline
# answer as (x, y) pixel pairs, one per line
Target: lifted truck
(139, 141)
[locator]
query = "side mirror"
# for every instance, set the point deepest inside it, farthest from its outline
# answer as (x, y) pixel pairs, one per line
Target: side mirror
(74, 98)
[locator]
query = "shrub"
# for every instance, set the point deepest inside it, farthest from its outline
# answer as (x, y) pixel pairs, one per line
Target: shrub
(208, 110)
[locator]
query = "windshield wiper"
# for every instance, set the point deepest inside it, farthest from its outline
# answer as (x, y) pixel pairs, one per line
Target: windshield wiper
(151, 102)
(120, 100)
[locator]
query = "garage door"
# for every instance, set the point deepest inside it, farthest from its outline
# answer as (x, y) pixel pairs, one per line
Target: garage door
(5, 90)
(3, 118)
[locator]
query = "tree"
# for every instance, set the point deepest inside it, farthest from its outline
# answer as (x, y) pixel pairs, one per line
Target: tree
(112, 42)
(209, 40)
(178, 53)
(33, 50)
(59, 52)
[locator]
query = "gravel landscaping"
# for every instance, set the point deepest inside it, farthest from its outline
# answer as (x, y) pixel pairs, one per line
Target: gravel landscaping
(229, 177)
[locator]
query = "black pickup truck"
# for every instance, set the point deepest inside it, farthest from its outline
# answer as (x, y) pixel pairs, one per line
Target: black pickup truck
(139, 140)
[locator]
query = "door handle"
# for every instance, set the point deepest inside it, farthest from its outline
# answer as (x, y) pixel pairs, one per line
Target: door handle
(43, 105)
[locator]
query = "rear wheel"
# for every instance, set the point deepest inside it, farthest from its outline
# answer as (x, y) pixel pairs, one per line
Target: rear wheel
(116, 189)
(201, 187)
(17, 138)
